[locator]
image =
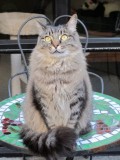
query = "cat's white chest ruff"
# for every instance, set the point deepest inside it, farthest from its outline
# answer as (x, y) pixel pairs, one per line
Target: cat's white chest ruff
(61, 98)
(62, 103)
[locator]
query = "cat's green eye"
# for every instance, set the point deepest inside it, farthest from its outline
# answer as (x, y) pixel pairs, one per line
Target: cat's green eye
(64, 37)
(48, 39)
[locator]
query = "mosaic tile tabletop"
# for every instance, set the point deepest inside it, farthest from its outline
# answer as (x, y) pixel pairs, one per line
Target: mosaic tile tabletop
(105, 124)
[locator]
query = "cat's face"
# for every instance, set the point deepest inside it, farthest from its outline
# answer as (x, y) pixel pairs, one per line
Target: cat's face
(90, 4)
(59, 41)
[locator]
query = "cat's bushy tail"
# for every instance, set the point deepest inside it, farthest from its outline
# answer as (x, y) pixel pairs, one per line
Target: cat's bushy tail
(58, 141)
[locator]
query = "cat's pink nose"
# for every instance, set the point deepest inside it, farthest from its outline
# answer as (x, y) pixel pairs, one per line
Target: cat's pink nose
(55, 43)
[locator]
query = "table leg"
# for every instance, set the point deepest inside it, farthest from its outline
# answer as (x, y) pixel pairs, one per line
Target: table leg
(24, 157)
(90, 157)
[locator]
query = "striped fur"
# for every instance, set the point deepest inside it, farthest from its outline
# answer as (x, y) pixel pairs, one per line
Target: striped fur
(58, 103)
(60, 141)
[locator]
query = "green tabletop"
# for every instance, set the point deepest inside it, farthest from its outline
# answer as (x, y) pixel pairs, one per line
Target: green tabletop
(105, 124)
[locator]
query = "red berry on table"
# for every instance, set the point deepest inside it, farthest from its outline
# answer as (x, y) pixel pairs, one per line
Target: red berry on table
(6, 131)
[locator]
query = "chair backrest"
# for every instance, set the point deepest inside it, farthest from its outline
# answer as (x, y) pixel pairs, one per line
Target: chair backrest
(24, 59)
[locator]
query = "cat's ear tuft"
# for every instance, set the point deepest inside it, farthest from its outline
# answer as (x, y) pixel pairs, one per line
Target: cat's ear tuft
(71, 25)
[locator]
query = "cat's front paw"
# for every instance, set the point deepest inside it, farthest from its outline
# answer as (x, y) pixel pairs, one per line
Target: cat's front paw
(86, 130)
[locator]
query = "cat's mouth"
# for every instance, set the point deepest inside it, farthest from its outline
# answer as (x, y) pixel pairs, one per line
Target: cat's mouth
(60, 53)
(57, 52)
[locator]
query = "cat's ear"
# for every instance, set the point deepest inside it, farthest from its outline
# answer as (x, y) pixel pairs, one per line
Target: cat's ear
(41, 28)
(71, 25)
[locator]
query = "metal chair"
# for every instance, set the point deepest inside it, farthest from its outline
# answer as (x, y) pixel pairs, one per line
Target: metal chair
(26, 67)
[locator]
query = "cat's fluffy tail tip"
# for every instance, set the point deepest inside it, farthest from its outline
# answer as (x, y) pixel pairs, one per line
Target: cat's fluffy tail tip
(65, 140)
(61, 141)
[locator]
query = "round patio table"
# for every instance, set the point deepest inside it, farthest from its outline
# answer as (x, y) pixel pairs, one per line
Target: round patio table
(105, 125)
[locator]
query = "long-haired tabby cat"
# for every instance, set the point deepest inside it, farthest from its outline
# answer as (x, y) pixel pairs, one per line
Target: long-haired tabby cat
(58, 105)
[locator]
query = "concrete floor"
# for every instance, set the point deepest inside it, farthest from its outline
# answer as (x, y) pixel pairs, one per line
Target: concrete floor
(112, 87)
